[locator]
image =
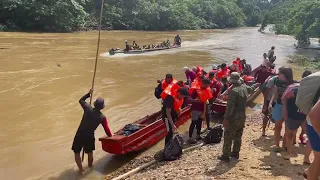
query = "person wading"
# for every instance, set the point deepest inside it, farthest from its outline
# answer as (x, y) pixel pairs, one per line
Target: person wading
(234, 118)
(172, 102)
(199, 97)
(84, 137)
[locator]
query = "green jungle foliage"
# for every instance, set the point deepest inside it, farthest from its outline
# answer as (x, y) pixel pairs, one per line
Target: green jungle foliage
(300, 18)
(74, 15)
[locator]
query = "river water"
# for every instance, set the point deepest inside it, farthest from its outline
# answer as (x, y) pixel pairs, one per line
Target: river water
(40, 112)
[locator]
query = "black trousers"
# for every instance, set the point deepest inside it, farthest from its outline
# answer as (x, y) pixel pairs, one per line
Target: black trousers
(197, 124)
(169, 129)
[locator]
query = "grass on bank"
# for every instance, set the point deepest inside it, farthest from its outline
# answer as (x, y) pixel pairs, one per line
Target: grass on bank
(304, 62)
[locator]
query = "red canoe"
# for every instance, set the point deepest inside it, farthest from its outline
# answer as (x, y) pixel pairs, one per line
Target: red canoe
(152, 131)
(220, 107)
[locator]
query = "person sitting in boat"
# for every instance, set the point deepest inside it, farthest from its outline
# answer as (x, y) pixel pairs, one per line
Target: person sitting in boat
(135, 45)
(271, 53)
(84, 138)
(127, 46)
(190, 75)
(200, 94)
(262, 74)
(265, 61)
(215, 85)
(246, 67)
(223, 71)
(177, 40)
(238, 63)
(168, 43)
(234, 67)
(224, 84)
(172, 102)
(214, 69)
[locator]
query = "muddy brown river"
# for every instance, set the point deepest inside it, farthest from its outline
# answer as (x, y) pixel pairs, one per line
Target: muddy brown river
(44, 75)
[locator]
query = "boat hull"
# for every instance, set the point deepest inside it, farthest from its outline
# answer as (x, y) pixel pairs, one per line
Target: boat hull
(144, 138)
(141, 51)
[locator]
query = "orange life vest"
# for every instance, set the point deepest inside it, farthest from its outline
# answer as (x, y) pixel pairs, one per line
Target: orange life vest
(171, 91)
(204, 94)
(164, 84)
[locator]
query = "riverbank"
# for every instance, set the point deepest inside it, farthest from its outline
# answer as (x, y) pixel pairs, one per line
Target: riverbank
(303, 62)
(257, 160)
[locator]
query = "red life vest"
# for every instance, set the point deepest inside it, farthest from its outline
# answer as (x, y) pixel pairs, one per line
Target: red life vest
(248, 78)
(164, 84)
(239, 64)
(223, 72)
(199, 71)
(171, 91)
(215, 84)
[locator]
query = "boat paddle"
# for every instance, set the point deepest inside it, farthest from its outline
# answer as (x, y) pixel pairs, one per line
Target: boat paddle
(96, 62)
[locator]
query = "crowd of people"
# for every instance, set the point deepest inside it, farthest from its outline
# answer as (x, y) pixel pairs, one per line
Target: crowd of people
(231, 85)
(164, 44)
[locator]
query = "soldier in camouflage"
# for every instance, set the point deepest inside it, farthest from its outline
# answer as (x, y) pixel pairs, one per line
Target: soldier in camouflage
(235, 116)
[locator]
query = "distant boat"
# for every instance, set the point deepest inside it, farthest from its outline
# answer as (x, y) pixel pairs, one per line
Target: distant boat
(121, 51)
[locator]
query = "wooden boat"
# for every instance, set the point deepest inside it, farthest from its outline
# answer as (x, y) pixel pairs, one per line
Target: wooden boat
(113, 52)
(152, 131)
(220, 107)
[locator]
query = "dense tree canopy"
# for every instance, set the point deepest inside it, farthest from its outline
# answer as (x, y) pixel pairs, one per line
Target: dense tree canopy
(300, 18)
(71, 15)
(297, 17)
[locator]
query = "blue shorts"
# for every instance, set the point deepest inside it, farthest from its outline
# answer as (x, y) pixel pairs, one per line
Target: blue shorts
(277, 112)
(314, 138)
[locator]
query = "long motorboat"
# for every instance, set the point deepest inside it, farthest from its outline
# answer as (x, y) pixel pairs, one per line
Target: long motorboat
(121, 51)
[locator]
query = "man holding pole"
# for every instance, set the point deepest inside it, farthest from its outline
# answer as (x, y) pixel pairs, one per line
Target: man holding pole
(84, 137)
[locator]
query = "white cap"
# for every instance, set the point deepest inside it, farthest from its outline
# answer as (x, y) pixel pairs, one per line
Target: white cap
(185, 69)
(126, 41)
(214, 66)
(194, 68)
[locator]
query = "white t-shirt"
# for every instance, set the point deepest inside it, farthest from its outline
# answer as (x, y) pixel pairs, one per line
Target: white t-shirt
(265, 62)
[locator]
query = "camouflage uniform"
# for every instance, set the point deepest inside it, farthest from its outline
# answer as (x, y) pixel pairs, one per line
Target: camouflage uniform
(236, 116)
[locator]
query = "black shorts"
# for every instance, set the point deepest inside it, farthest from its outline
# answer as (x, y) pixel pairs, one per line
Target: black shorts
(86, 142)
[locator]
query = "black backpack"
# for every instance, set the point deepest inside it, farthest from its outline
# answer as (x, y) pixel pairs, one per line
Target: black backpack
(157, 91)
(214, 135)
(173, 149)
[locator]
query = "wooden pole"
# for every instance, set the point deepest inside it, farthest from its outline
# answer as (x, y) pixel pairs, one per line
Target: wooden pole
(96, 62)
(133, 171)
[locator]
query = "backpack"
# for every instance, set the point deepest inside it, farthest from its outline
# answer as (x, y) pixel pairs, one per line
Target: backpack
(157, 91)
(214, 135)
(308, 92)
(173, 149)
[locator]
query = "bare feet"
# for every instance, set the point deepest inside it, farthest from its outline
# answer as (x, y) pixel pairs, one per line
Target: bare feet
(81, 171)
